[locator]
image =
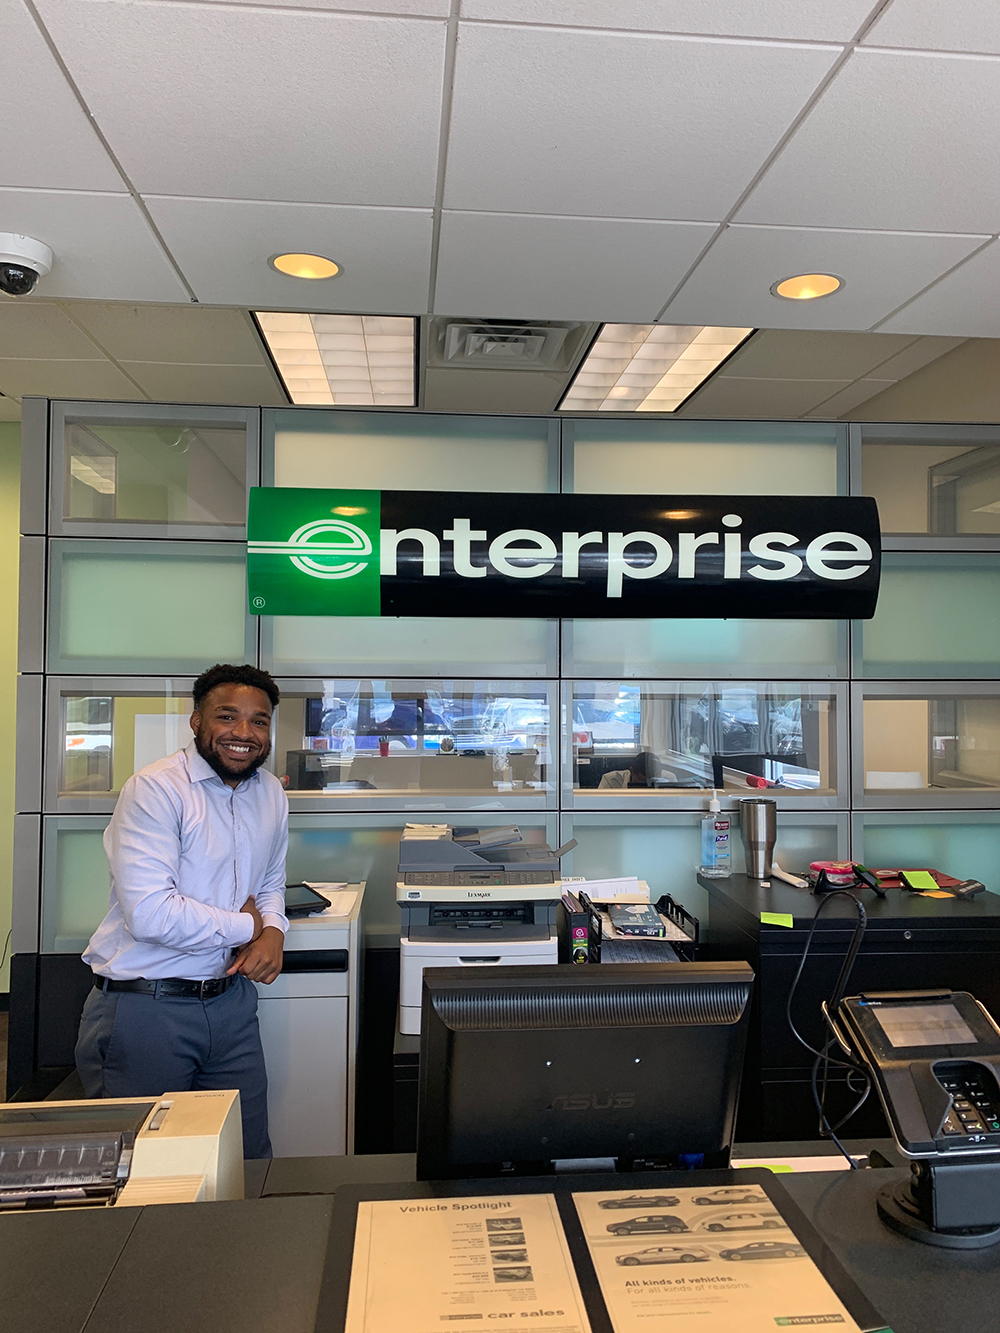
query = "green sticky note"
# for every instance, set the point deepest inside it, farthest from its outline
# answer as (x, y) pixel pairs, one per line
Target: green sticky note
(777, 919)
(921, 879)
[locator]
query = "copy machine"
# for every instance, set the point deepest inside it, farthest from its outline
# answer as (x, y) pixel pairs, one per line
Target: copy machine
(472, 898)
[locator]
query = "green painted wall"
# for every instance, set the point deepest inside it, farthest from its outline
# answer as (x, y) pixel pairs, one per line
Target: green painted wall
(10, 477)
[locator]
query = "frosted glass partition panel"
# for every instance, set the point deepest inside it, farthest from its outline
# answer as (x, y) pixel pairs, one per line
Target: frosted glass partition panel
(666, 743)
(147, 607)
(936, 616)
(330, 849)
(101, 731)
(75, 884)
(704, 458)
(942, 481)
(936, 746)
(963, 844)
(127, 468)
(665, 849)
(424, 744)
(398, 451)
(641, 648)
(314, 645)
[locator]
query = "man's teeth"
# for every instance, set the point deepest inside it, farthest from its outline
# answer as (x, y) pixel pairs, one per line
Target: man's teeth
(238, 749)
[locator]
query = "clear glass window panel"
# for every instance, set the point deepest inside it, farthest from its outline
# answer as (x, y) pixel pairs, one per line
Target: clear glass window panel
(936, 617)
(666, 851)
(155, 472)
(632, 739)
(700, 647)
(326, 849)
(937, 744)
(703, 458)
(312, 645)
(964, 845)
(106, 737)
(397, 739)
(76, 888)
(135, 606)
(933, 482)
(403, 451)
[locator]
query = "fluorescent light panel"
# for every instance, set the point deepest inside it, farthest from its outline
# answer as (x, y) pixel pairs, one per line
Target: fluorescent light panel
(343, 360)
(648, 367)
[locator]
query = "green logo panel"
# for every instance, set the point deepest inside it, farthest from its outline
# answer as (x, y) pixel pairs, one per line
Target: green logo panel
(313, 552)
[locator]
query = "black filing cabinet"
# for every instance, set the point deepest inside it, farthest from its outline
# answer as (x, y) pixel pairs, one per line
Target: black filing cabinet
(911, 943)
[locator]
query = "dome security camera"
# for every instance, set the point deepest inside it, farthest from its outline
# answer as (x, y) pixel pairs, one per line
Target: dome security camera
(22, 262)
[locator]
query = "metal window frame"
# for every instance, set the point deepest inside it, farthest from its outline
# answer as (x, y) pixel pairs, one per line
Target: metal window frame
(553, 441)
(345, 803)
(154, 687)
(59, 666)
(144, 414)
(927, 799)
(571, 800)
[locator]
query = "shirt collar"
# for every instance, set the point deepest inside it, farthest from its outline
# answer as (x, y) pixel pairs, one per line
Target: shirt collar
(200, 771)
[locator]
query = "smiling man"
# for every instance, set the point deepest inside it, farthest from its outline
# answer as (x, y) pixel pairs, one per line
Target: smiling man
(196, 849)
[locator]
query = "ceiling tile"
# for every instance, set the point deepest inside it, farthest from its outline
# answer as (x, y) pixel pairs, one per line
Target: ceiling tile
(491, 391)
(103, 246)
(40, 329)
(48, 143)
(811, 20)
(66, 379)
(845, 400)
(412, 8)
(727, 397)
(921, 352)
(907, 142)
(781, 353)
(223, 247)
(248, 385)
(9, 409)
(183, 334)
(972, 25)
(966, 303)
(237, 102)
(609, 125)
(504, 267)
(881, 270)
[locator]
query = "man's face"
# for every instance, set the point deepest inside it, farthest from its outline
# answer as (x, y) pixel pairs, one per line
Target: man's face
(232, 730)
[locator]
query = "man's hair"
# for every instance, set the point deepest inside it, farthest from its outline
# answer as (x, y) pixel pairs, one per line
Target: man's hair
(224, 673)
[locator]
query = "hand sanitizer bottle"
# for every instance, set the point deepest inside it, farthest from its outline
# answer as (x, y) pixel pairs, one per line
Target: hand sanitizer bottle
(716, 856)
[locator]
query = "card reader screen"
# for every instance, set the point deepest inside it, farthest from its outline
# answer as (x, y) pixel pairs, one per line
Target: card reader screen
(924, 1025)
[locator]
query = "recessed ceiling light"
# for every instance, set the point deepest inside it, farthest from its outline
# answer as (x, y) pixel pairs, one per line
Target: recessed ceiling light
(305, 266)
(343, 360)
(807, 286)
(648, 367)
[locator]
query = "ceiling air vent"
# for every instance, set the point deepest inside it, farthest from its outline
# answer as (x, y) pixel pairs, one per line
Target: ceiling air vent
(502, 343)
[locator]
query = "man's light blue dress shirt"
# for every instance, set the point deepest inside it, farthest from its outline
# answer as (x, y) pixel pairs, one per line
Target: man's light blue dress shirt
(185, 851)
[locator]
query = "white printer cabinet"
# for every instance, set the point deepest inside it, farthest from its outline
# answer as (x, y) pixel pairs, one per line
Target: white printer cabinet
(309, 1030)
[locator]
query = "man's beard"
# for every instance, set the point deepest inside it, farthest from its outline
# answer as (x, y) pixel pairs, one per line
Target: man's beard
(217, 763)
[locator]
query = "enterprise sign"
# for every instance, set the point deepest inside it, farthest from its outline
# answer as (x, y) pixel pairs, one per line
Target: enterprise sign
(453, 553)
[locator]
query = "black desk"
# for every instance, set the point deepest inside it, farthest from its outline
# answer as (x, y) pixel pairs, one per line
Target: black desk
(260, 1264)
(911, 943)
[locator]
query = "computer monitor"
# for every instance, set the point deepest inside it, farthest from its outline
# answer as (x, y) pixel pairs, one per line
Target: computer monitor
(524, 1066)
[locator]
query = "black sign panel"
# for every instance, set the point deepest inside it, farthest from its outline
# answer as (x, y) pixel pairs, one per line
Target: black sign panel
(594, 556)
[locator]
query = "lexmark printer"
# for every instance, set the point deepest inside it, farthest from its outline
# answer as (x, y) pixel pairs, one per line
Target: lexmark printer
(472, 898)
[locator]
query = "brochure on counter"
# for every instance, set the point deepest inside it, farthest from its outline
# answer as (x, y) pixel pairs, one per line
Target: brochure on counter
(500, 1261)
(707, 1259)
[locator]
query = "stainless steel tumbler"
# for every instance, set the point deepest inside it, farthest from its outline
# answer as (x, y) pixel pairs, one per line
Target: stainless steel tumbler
(758, 826)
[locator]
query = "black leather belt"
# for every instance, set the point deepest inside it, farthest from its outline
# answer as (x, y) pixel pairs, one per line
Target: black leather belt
(173, 986)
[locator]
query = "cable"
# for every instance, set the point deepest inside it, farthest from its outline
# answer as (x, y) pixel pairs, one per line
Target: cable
(823, 1057)
(3, 956)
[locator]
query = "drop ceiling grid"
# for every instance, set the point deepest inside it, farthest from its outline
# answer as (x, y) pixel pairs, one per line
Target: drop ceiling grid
(553, 115)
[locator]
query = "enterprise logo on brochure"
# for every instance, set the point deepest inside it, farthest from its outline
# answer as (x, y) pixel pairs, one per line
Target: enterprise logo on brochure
(440, 553)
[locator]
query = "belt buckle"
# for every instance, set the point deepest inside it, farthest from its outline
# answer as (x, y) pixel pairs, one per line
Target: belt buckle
(201, 990)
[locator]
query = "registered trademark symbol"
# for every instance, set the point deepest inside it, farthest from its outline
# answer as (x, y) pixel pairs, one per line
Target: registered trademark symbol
(258, 602)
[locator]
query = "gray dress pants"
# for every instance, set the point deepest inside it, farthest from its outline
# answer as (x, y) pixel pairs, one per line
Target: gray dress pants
(133, 1045)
